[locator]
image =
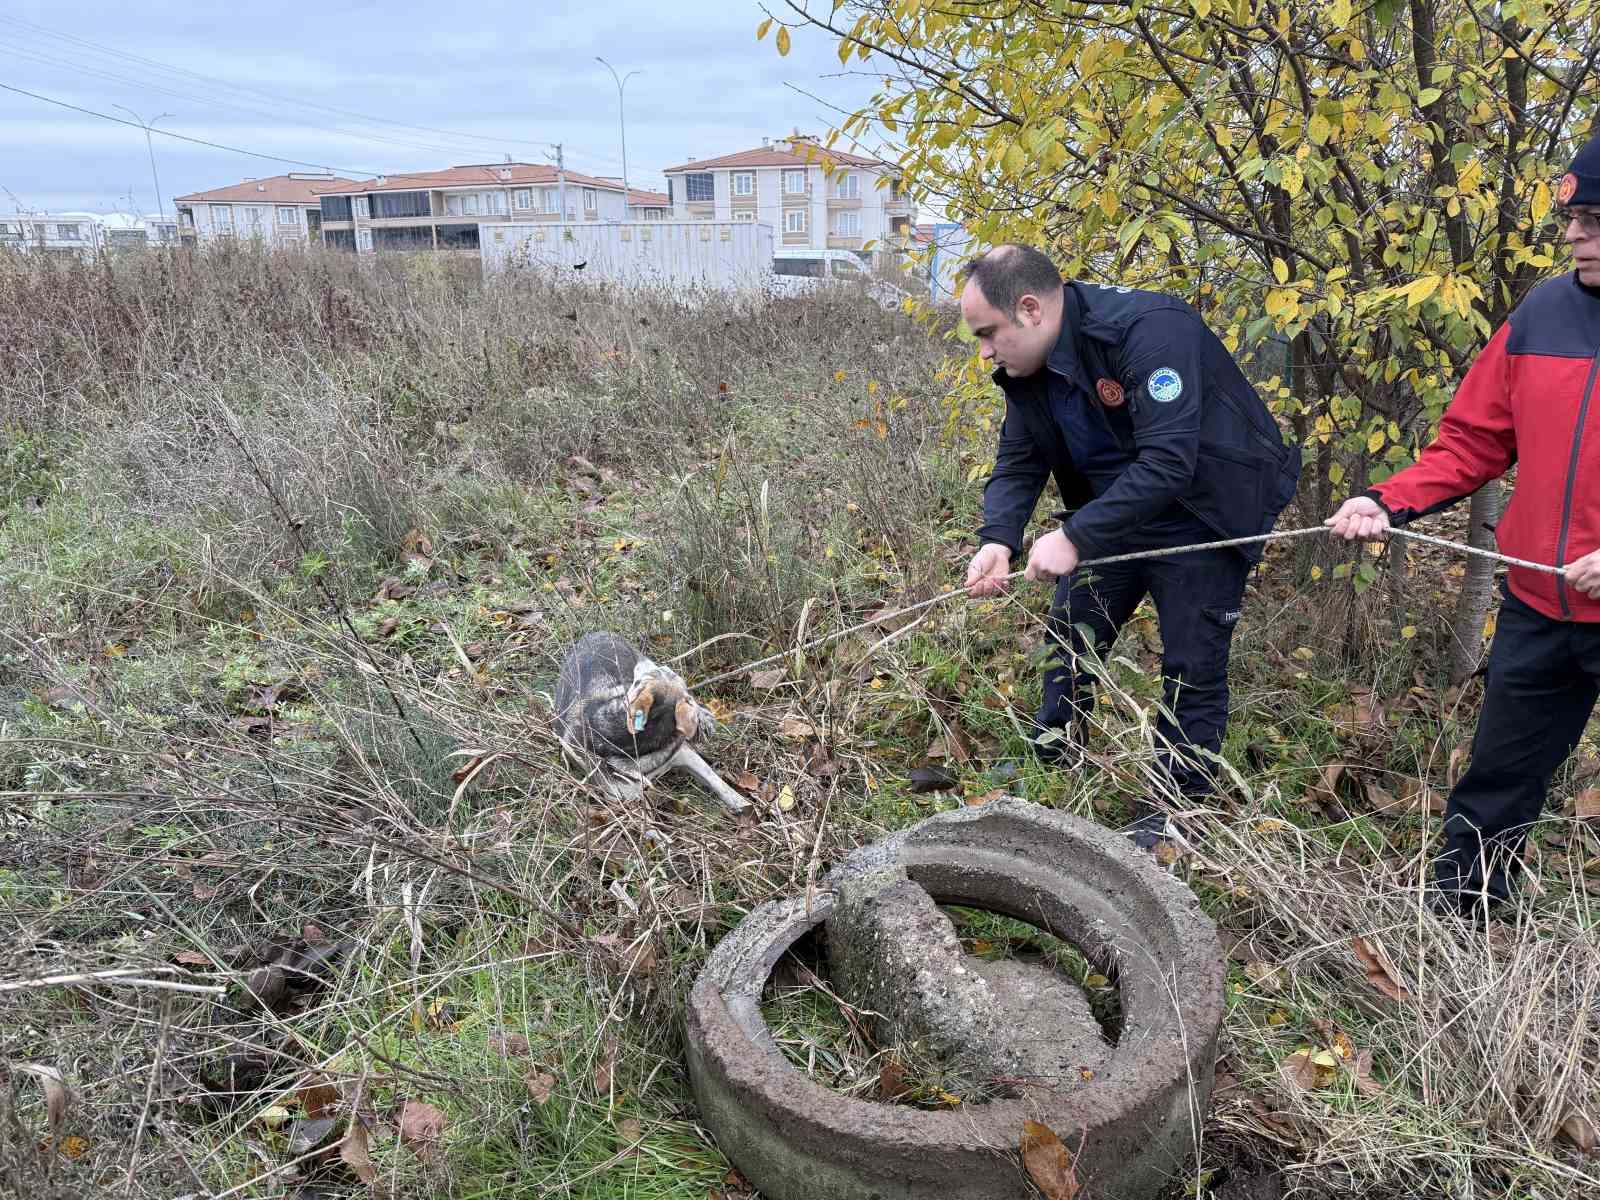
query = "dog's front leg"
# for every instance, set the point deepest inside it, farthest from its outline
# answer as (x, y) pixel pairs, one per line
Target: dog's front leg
(687, 760)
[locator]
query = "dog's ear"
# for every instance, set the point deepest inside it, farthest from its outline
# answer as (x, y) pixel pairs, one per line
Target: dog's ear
(687, 716)
(639, 707)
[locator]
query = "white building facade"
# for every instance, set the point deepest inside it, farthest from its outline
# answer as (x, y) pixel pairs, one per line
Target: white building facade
(817, 199)
(282, 210)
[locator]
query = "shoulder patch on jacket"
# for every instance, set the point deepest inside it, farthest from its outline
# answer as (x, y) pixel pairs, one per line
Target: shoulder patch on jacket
(1110, 392)
(1164, 385)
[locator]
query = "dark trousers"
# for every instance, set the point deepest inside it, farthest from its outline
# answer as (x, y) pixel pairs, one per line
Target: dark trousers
(1197, 597)
(1543, 677)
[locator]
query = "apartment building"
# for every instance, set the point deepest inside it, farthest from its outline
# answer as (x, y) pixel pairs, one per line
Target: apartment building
(443, 209)
(816, 198)
(75, 234)
(281, 210)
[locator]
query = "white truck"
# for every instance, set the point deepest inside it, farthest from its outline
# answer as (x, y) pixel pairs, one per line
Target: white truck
(674, 256)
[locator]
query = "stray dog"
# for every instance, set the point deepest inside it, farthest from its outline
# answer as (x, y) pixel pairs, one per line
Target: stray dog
(633, 715)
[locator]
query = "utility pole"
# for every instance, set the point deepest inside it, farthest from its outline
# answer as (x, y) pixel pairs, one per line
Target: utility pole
(561, 185)
(150, 146)
(622, 125)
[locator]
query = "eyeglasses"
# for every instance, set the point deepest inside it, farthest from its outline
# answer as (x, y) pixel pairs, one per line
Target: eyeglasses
(1588, 219)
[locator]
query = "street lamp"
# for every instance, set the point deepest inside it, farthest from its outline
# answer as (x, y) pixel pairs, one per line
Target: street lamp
(150, 146)
(622, 124)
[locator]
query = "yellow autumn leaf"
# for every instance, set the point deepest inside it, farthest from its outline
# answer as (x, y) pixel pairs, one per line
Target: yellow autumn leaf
(1541, 200)
(786, 798)
(1109, 202)
(1409, 632)
(1280, 270)
(761, 29)
(1375, 441)
(1320, 129)
(783, 40)
(1293, 179)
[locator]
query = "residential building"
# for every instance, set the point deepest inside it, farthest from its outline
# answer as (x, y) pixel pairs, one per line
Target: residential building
(281, 210)
(817, 198)
(78, 234)
(443, 209)
(648, 206)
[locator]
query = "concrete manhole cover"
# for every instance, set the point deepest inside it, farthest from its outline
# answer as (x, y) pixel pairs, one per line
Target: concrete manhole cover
(1016, 1038)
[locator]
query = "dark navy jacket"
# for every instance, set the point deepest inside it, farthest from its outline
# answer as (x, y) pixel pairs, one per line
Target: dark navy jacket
(1148, 426)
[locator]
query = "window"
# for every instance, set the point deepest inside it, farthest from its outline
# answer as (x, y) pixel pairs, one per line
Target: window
(699, 186)
(7, 232)
(847, 224)
(288, 215)
(336, 208)
(524, 198)
(362, 210)
(401, 204)
(364, 239)
(254, 214)
(186, 215)
(747, 215)
(469, 204)
(549, 199)
(894, 189)
(810, 268)
(794, 221)
(494, 203)
(744, 183)
(794, 183)
(844, 269)
(847, 185)
(655, 214)
(590, 200)
(222, 218)
(68, 233)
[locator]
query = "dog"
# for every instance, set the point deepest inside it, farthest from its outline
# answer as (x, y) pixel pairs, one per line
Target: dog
(635, 717)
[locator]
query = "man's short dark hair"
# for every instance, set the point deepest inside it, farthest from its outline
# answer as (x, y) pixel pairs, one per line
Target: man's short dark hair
(1011, 271)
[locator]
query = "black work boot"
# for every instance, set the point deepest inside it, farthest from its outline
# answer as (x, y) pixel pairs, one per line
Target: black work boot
(1148, 827)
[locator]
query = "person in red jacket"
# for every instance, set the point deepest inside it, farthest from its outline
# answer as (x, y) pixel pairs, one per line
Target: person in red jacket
(1530, 398)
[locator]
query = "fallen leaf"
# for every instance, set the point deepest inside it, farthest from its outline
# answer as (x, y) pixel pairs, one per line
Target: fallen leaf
(1578, 1129)
(1303, 1072)
(1587, 804)
(1457, 757)
(818, 761)
(1050, 1164)
(318, 1098)
(192, 958)
(746, 781)
(421, 1125)
(508, 1045)
(891, 1080)
(795, 729)
(541, 1084)
(1378, 973)
(1281, 1124)
(786, 798)
(274, 1117)
(54, 1087)
(605, 1067)
(72, 1146)
(767, 680)
(311, 1133)
(1325, 792)
(1266, 976)
(991, 794)
(353, 1150)
(1360, 1069)
(930, 779)
(629, 1134)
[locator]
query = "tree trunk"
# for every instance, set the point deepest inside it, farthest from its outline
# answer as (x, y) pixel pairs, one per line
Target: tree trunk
(1477, 586)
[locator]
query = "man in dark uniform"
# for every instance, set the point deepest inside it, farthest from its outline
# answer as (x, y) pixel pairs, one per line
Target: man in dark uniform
(1155, 439)
(1527, 399)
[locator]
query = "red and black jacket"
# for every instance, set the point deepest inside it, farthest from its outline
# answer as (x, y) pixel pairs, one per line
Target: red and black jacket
(1529, 399)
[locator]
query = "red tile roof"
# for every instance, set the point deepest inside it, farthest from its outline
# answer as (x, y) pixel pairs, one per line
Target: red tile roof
(275, 189)
(494, 174)
(639, 198)
(775, 156)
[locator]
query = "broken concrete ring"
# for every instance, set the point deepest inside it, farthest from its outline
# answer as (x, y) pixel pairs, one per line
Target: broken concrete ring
(1136, 1121)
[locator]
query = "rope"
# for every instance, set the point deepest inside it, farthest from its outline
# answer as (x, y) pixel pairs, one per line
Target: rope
(1225, 543)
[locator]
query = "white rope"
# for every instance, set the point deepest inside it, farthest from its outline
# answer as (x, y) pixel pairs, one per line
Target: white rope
(1160, 552)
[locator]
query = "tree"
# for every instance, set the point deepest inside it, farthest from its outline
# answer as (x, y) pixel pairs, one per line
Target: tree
(1371, 183)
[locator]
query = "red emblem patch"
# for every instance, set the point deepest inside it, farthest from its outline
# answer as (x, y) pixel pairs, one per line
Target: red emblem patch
(1109, 391)
(1567, 186)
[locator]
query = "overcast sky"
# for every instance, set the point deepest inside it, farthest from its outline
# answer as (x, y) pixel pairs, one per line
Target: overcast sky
(350, 86)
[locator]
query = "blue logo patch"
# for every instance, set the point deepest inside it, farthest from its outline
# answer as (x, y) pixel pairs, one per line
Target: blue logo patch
(1164, 385)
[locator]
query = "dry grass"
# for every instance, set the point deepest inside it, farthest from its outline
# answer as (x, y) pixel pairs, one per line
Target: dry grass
(204, 776)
